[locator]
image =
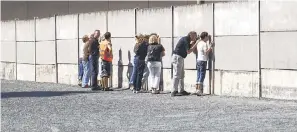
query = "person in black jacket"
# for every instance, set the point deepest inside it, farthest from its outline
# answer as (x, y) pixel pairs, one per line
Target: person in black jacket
(140, 50)
(179, 54)
(154, 54)
(94, 57)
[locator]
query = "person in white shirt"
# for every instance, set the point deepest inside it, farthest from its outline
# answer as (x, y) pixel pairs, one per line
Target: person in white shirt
(203, 49)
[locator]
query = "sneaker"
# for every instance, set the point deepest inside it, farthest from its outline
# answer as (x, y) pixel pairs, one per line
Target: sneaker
(174, 93)
(79, 82)
(87, 86)
(96, 88)
(199, 93)
(184, 93)
(131, 87)
(134, 91)
(107, 89)
(155, 91)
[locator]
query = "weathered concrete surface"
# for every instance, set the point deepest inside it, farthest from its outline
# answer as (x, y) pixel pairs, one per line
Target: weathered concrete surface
(68, 74)
(278, 15)
(47, 33)
(45, 73)
(26, 72)
(156, 23)
(7, 31)
(192, 18)
(8, 71)
(279, 50)
(45, 52)
(236, 18)
(167, 44)
(25, 52)
(88, 22)
(121, 23)
(29, 106)
(67, 51)
(237, 53)
(67, 27)
(279, 84)
(123, 50)
(232, 83)
(8, 51)
(25, 30)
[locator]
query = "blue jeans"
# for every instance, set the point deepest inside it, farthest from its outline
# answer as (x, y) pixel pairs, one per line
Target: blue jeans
(93, 60)
(139, 65)
(201, 71)
(86, 73)
(80, 69)
(134, 70)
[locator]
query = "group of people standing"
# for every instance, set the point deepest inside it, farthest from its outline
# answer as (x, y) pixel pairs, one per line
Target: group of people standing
(96, 58)
(147, 61)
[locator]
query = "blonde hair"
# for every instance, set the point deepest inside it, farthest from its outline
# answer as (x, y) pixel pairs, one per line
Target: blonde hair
(153, 39)
(85, 38)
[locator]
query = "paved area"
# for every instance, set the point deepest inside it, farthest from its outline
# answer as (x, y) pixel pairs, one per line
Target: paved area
(46, 107)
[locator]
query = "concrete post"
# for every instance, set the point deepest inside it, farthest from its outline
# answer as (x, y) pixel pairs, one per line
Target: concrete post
(35, 49)
(16, 48)
(56, 50)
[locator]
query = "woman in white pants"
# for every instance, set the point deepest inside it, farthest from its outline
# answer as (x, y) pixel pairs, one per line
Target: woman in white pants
(154, 54)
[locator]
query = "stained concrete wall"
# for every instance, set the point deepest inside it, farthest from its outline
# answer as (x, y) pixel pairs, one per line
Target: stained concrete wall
(278, 49)
(236, 52)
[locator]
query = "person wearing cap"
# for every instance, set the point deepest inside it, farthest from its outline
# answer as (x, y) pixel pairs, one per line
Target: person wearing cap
(179, 54)
(140, 50)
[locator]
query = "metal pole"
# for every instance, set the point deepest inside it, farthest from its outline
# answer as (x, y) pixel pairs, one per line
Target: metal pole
(16, 49)
(56, 52)
(35, 48)
(213, 52)
(78, 47)
(259, 51)
(172, 36)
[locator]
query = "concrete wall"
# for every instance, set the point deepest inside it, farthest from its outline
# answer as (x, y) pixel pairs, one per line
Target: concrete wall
(30, 9)
(236, 30)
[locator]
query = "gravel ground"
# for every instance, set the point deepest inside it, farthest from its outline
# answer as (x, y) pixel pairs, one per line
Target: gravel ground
(45, 107)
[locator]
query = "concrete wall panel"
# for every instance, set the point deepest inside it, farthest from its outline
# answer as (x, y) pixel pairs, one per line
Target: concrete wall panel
(278, 15)
(278, 50)
(67, 51)
(8, 51)
(67, 27)
(13, 9)
(238, 18)
(167, 44)
(8, 71)
(47, 33)
(116, 19)
(43, 9)
(45, 73)
(237, 53)
(26, 72)
(87, 6)
(25, 30)
(121, 76)
(123, 50)
(45, 52)
(89, 22)
(279, 84)
(193, 18)
(25, 52)
(153, 21)
(8, 31)
(190, 81)
(243, 84)
(167, 81)
(67, 74)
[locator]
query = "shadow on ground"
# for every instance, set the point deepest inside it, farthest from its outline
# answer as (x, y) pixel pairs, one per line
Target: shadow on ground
(40, 93)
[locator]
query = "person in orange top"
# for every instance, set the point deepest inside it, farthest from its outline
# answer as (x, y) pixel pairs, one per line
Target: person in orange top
(106, 57)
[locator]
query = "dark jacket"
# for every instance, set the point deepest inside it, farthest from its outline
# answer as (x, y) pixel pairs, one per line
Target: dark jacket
(154, 52)
(141, 50)
(94, 47)
(182, 47)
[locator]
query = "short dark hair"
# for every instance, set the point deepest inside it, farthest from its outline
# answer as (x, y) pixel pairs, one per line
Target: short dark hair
(192, 33)
(107, 35)
(97, 30)
(203, 35)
